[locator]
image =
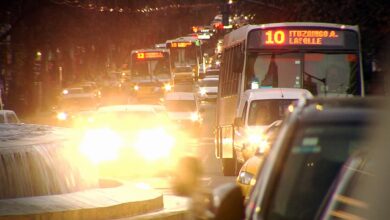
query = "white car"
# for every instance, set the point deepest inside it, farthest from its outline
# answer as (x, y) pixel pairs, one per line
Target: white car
(258, 108)
(184, 108)
(208, 88)
(8, 117)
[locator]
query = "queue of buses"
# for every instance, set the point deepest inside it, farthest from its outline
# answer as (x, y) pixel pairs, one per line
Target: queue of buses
(323, 58)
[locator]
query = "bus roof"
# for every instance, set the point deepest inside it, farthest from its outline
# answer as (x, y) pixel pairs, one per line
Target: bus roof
(241, 34)
(183, 39)
(150, 50)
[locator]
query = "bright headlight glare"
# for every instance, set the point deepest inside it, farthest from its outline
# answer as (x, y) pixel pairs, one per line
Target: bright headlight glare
(65, 92)
(136, 87)
(194, 116)
(154, 144)
(62, 116)
(100, 145)
(245, 177)
(202, 91)
(167, 87)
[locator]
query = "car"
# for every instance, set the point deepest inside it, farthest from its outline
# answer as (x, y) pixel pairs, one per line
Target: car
(126, 136)
(208, 89)
(212, 73)
(8, 117)
(247, 175)
(183, 74)
(257, 109)
(72, 101)
(316, 139)
(342, 198)
(184, 108)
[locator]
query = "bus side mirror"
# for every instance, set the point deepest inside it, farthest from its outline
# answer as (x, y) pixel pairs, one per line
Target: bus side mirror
(238, 122)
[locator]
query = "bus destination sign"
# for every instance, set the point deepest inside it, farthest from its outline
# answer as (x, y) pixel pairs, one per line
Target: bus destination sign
(302, 37)
(181, 44)
(149, 55)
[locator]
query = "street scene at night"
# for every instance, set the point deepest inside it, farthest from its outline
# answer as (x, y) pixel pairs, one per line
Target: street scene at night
(194, 109)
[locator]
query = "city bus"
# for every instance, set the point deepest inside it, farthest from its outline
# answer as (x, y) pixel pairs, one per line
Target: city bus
(323, 58)
(150, 73)
(186, 52)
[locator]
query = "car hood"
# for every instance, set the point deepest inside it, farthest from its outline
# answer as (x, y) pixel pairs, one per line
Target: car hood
(180, 115)
(210, 89)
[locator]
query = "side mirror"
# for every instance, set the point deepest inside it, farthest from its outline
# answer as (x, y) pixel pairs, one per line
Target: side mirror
(238, 122)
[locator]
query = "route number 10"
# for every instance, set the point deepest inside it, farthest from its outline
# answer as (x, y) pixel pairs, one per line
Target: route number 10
(275, 38)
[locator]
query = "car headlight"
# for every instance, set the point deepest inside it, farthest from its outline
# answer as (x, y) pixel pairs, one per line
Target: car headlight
(154, 144)
(136, 87)
(62, 116)
(100, 145)
(195, 116)
(202, 91)
(245, 177)
(167, 87)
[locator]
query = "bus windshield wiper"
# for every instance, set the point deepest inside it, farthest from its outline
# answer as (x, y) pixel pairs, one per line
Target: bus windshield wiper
(322, 80)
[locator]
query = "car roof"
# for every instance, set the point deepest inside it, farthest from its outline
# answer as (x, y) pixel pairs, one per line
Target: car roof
(349, 109)
(146, 108)
(180, 96)
(209, 79)
(277, 93)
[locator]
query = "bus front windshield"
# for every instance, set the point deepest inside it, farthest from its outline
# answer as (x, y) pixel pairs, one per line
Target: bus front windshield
(159, 68)
(323, 74)
(184, 56)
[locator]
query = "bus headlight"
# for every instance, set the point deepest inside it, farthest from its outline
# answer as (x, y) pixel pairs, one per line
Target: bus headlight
(62, 116)
(202, 91)
(167, 87)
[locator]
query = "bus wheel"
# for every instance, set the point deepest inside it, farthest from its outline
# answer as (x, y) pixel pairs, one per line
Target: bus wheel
(228, 166)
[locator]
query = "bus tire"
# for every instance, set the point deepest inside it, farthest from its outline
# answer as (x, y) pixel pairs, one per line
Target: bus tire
(228, 166)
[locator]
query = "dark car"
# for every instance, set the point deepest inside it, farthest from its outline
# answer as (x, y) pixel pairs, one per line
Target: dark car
(314, 142)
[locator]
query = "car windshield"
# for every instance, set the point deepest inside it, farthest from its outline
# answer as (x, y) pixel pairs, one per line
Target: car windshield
(77, 103)
(322, 74)
(180, 105)
(183, 69)
(127, 119)
(315, 157)
(264, 112)
(208, 83)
